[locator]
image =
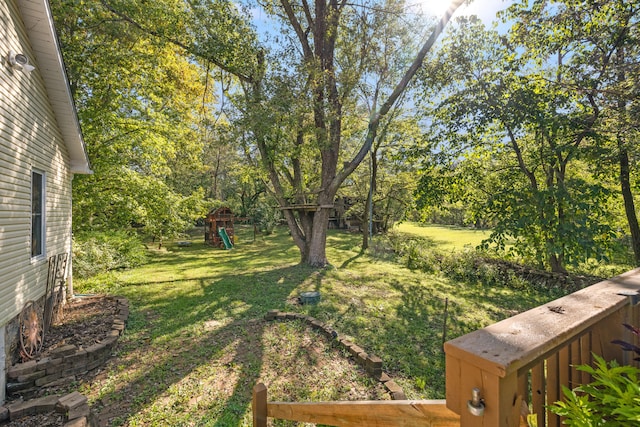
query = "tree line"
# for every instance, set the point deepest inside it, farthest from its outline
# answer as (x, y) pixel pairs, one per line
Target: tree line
(186, 106)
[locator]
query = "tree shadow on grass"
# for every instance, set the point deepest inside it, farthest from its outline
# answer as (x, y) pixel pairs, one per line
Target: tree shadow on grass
(343, 240)
(403, 321)
(179, 329)
(428, 317)
(346, 263)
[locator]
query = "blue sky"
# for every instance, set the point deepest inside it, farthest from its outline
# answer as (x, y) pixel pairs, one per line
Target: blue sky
(484, 9)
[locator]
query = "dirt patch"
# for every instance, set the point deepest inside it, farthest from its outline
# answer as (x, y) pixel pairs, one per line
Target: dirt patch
(85, 321)
(51, 419)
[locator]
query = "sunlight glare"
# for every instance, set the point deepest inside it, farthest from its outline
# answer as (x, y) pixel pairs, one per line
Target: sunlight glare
(485, 9)
(435, 8)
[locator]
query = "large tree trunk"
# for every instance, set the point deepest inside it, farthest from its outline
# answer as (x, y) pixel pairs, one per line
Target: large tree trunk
(368, 209)
(315, 254)
(556, 263)
(309, 233)
(629, 205)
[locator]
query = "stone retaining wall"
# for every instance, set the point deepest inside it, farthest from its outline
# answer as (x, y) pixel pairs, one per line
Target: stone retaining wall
(64, 363)
(74, 407)
(371, 363)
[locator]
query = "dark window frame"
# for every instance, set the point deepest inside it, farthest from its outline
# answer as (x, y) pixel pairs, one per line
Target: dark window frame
(38, 224)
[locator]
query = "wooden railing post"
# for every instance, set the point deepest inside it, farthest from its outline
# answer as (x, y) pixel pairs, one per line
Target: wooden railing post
(538, 348)
(500, 401)
(259, 405)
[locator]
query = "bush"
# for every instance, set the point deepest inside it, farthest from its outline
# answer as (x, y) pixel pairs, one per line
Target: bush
(99, 252)
(603, 269)
(416, 257)
(476, 266)
(611, 399)
(266, 217)
(414, 253)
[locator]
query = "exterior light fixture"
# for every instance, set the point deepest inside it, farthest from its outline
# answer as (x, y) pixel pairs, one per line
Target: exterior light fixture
(20, 61)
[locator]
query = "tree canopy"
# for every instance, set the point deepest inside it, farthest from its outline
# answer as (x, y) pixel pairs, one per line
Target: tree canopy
(536, 105)
(530, 131)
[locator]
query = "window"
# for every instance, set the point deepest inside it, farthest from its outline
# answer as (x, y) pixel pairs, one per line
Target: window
(37, 214)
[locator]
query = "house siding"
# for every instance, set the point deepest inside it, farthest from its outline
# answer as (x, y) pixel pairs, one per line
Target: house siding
(29, 139)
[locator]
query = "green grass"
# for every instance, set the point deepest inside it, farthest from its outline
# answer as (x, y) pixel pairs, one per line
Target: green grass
(445, 238)
(196, 343)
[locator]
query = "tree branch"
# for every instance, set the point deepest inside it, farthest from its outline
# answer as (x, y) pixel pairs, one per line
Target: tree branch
(374, 121)
(190, 49)
(302, 36)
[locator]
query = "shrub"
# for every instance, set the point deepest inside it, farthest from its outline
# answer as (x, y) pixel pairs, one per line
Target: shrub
(414, 253)
(416, 257)
(603, 269)
(99, 252)
(474, 266)
(266, 217)
(611, 399)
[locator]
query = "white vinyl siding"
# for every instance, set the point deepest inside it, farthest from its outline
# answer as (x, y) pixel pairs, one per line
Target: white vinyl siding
(30, 140)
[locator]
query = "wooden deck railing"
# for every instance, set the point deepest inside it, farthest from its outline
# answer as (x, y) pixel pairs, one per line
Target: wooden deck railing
(516, 364)
(527, 358)
(383, 413)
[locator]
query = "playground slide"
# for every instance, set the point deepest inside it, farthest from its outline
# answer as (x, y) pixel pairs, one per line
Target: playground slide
(225, 238)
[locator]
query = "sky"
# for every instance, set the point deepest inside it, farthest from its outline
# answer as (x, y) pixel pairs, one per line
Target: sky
(484, 9)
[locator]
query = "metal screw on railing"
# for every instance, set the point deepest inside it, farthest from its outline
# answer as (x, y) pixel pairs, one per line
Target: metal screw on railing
(633, 297)
(475, 405)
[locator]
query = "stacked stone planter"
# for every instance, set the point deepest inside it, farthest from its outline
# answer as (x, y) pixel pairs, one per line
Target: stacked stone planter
(73, 406)
(64, 363)
(372, 364)
(59, 367)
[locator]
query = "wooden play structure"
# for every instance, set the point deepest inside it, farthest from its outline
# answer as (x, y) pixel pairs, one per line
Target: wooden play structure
(218, 228)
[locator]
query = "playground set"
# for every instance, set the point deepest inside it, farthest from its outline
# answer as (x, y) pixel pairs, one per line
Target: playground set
(218, 228)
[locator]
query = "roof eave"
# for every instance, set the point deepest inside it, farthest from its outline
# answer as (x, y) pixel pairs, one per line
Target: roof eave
(38, 21)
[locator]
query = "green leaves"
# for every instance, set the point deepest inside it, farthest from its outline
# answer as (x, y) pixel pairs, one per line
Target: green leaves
(140, 101)
(529, 104)
(611, 399)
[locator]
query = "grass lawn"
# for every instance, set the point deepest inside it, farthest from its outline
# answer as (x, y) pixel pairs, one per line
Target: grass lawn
(445, 238)
(197, 343)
